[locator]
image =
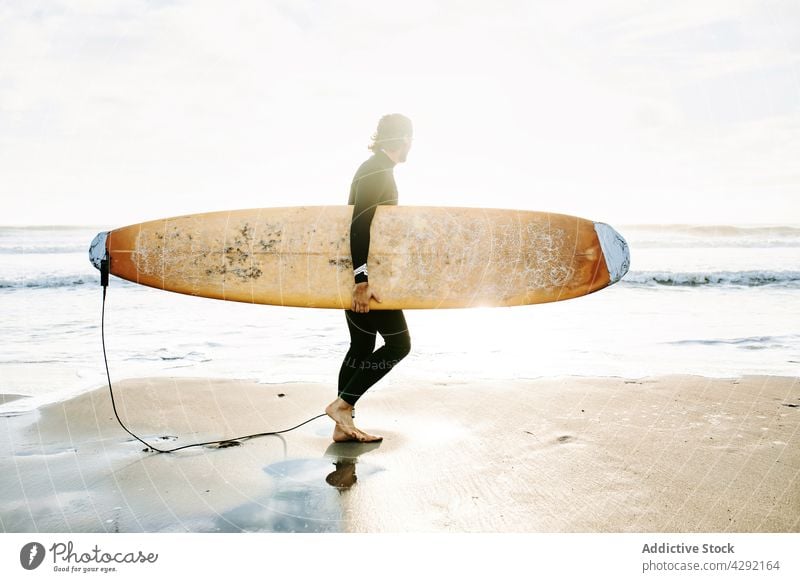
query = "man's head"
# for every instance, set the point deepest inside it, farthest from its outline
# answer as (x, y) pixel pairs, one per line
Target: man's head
(394, 136)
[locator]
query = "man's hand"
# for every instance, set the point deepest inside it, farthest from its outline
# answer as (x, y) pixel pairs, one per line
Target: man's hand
(361, 296)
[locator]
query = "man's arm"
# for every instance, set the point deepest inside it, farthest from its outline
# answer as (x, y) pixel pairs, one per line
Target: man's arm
(368, 190)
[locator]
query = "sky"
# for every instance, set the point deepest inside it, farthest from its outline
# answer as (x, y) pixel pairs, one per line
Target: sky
(624, 111)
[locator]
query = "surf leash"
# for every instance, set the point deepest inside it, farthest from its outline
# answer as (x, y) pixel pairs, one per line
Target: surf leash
(104, 271)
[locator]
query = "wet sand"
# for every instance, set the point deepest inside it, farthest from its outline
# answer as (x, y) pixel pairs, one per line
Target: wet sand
(667, 454)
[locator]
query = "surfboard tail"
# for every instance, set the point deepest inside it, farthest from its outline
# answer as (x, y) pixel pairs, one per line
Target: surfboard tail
(615, 251)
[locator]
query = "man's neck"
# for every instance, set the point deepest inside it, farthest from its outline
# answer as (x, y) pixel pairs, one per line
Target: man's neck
(392, 155)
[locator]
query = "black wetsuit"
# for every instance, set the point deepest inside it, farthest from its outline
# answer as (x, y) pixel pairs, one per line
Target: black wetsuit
(373, 185)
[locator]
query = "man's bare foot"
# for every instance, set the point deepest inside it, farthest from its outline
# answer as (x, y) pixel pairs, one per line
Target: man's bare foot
(340, 436)
(368, 438)
(343, 435)
(340, 412)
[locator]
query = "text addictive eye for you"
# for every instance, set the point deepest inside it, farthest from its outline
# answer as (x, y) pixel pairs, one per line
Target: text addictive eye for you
(665, 548)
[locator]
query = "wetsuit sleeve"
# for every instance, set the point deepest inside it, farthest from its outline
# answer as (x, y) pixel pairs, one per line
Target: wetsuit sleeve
(368, 190)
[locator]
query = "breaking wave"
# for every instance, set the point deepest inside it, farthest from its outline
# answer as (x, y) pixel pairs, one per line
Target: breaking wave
(714, 279)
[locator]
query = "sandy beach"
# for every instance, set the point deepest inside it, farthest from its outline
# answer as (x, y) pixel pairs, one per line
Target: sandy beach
(569, 454)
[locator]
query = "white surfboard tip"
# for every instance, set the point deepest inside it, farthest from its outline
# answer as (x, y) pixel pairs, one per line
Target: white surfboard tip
(97, 250)
(615, 251)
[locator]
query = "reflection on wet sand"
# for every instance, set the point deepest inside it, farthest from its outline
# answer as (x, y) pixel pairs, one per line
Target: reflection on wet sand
(301, 498)
(298, 501)
(346, 454)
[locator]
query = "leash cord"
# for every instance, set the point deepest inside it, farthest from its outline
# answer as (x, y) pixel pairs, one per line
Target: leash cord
(222, 443)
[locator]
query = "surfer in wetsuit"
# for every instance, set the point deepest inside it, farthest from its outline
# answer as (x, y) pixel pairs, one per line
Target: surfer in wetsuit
(373, 185)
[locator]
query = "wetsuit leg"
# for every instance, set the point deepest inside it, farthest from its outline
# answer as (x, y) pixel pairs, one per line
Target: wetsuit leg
(362, 344)
(391, 324)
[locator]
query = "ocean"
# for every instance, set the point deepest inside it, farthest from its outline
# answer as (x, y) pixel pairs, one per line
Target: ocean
(720, 301)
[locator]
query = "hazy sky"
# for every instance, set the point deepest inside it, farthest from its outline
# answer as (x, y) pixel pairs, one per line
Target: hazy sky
(114, 112)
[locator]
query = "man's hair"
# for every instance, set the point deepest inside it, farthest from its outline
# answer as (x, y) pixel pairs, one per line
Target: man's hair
(392, 128)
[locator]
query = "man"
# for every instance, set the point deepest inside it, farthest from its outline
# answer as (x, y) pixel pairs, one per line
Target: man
(373, 185)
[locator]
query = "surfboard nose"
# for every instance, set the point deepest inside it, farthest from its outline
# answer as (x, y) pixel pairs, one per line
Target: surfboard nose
(615, 251)
(97, 250)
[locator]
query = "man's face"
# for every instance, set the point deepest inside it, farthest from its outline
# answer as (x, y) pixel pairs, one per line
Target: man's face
(405, 148)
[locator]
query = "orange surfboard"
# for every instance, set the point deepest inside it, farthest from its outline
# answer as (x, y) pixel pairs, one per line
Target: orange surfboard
(420, 257)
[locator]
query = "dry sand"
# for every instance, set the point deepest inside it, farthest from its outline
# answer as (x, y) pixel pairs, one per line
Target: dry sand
(670, 454)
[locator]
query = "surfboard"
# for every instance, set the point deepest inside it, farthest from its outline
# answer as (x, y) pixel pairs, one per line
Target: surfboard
(420, 257)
